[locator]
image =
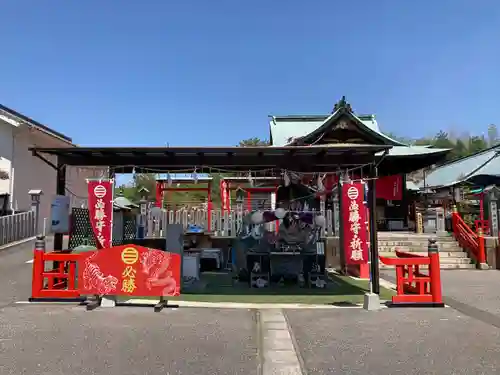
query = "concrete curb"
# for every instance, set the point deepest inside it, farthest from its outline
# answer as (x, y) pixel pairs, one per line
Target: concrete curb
(383, 283)
(237, 305)
(387, 284)
(12, 244)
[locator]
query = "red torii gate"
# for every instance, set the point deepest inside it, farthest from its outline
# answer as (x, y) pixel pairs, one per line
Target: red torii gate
(164, 186)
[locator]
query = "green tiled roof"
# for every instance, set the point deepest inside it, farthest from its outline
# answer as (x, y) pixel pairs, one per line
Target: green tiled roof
(414, 150)
(484, 163)
(285, 128)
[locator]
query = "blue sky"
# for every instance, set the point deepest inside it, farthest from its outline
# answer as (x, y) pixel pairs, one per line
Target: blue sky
(199, 72)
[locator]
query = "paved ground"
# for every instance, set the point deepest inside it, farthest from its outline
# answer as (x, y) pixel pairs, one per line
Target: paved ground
(53, 340)
(395, 341)
(15, 273)
(474, 287)
(48, 339)
(472, 292)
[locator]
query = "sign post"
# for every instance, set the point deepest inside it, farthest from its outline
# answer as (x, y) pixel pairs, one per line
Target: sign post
(356, 234)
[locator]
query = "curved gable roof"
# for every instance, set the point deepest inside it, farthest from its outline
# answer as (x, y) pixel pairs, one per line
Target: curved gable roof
(284, 129)
(485, 162)
(345, 111)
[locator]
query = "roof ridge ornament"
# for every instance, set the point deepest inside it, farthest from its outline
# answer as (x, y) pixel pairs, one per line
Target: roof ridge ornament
(342, 104)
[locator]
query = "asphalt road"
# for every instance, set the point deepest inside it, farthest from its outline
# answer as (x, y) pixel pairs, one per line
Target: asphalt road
(15, 273)
(472, 292)
(395, 341)
(65, 339)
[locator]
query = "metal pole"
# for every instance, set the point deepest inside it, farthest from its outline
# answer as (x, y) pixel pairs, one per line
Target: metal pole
(367, 223)
(142, 219)
(372, 204)
(60, 190)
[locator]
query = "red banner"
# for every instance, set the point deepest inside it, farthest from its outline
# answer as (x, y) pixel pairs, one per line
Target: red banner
(354, 223)
(100, 195)
(390, 187)
(130, 270)
(223, 195)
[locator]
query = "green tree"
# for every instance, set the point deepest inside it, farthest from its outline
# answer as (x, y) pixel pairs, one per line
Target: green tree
(140, 180)
(460, 149)
(492, 135)
(253, 142)
(423, 142)
(441, 140)
(405, 140)
(476, 144)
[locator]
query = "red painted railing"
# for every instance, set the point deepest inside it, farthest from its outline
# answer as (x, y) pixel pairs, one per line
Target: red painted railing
(58, 283)
(468, 240)
(413, 286)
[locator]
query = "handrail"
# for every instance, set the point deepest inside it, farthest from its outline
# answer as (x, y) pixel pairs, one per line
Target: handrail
(460, 221)
(402, 254)
(467, 239)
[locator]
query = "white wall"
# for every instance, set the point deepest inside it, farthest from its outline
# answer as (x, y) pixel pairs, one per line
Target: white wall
(6, 131)
(33, 173)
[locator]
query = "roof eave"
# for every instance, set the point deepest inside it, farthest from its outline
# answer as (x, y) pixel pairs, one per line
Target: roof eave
(22, 119)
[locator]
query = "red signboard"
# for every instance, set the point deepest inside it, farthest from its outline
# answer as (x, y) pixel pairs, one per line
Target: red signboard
(390, 187)
(387, 187)
(130, 270)
(354, 222)
(100, 193)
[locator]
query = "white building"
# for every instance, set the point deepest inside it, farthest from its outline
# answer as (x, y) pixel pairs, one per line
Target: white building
(26, 172)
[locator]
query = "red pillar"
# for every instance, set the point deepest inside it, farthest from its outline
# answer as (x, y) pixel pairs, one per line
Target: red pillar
(209, 205)
(435, 273)
(249, 200)
(481, 256)
(159, 194)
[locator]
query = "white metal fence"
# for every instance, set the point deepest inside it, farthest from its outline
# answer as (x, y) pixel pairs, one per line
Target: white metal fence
(17, 227)
(226, 224)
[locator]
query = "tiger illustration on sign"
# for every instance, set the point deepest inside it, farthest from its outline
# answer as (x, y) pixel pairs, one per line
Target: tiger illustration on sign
(93, 278)
(155, 264)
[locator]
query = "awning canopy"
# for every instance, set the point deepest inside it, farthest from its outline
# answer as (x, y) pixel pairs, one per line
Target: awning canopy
(205, 159)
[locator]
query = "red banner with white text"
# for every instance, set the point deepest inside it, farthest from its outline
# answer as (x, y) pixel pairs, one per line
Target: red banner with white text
(223, 196)
(387, 187)
(100, 193)
(354, 223)
(390, 187)
(130, 270)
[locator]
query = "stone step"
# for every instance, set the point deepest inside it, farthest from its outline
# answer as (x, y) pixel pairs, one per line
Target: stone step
(383, 247)
(453, 254)
(445, 266)
(451, 260)
(419, 242)
(418, 239)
